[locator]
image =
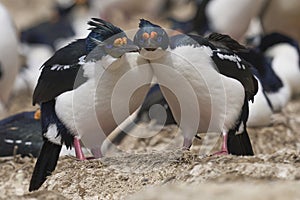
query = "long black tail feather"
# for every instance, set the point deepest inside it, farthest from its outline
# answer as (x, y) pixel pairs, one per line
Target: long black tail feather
(239, 144)
(45, 164)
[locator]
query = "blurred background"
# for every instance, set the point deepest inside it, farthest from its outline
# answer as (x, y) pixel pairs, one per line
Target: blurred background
(43, 27)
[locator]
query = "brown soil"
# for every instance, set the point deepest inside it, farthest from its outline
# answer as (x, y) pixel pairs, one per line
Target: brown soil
(155, 168)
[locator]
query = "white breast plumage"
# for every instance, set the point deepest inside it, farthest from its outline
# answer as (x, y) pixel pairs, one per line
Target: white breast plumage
(93, 99)
(219, 98)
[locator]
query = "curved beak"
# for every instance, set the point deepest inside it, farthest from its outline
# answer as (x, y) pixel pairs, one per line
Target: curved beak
(151, 45)
(120, 51)
(130, 48)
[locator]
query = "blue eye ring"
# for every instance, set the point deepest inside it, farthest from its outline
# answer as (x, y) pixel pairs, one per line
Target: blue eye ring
(109, 46)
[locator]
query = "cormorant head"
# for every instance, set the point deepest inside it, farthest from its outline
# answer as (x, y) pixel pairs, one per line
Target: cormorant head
(111, 40)
(151, 37)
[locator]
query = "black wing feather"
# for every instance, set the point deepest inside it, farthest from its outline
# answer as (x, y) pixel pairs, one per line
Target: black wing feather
(189, 39)
(225, 41)
(52, 83)
(223, 45)
(67, 55)
(230, 69)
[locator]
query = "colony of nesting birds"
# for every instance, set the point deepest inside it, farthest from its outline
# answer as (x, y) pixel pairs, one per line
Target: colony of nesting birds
(203, 77)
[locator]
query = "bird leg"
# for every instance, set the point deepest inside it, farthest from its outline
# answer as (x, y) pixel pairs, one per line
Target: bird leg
(96, 152)
(224, 149)
(78, 150)
(187, 143)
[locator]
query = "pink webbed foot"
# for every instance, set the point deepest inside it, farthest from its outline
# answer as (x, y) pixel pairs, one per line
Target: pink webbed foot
(79, 154)
(220, 153)
(224, 149)
(96, 153)
(78, 150)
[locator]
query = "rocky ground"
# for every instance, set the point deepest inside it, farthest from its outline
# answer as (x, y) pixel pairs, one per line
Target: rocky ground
(155, 168)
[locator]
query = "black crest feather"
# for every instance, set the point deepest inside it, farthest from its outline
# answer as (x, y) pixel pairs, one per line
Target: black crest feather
(103, 27)
(145, 23)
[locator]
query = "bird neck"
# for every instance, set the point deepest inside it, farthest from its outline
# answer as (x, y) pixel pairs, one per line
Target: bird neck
(153, 55)
(110, 63)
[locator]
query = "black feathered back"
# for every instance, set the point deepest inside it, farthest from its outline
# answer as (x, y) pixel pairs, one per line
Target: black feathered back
(226, 41)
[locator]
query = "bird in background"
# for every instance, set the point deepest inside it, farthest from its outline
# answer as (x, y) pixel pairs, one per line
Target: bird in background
(75, 91)
(207, 77)
(272, 94)
(58, 27)
(39, 41)
(231, 17)
(9, 58)
(276, 59)
(285, 54)
(20, 134)
(29, 73)
(129, 9)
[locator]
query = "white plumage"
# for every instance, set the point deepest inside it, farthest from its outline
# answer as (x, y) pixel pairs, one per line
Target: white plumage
(286, 65)
(9, 58)
(93, 99)
(212, 104)
(260, 111)
(232, 17)
(35, 57)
